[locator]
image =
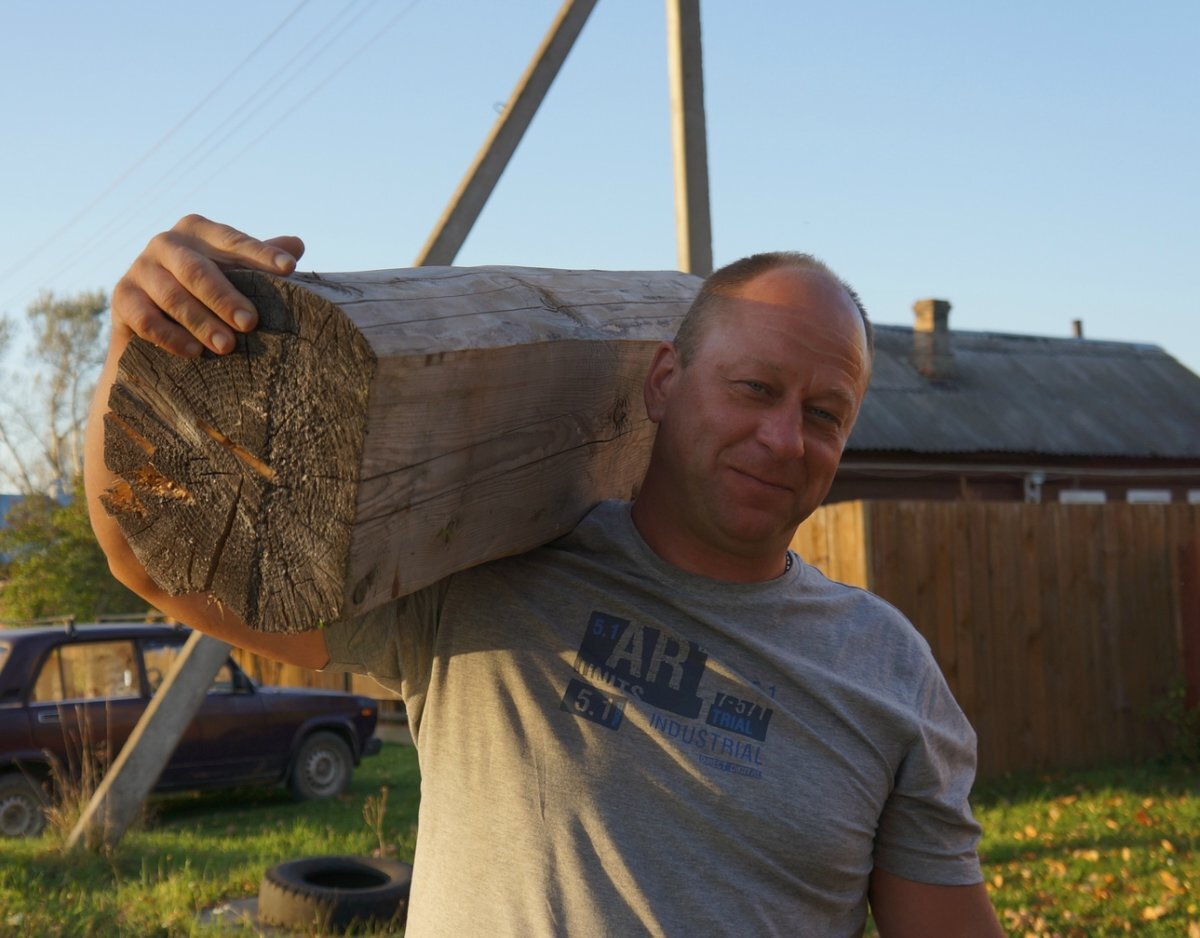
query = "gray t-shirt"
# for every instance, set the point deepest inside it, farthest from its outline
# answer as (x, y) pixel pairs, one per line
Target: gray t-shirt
(612, 746)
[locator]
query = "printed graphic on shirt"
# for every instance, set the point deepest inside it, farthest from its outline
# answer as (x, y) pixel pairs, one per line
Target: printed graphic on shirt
(643, 662)
(713, 749)
(739, 716)
(664, 672)
(593, 704)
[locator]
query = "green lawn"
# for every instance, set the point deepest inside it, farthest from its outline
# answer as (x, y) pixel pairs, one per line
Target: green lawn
(1084, 855)
(197, 851)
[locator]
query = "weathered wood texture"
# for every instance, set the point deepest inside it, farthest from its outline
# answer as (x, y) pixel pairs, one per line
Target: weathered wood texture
(1060, 628)
(381, 430)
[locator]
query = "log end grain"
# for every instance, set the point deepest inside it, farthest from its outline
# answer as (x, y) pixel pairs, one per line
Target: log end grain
(239, 473)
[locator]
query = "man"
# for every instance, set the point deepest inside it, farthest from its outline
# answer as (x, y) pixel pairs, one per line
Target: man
(664, 722)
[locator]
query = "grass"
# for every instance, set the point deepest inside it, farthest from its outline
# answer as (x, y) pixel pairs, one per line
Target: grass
(199, 851)
(1082, 855)
(1092, 854)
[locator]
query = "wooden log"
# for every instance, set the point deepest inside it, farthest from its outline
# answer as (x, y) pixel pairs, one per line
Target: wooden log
(381, 430)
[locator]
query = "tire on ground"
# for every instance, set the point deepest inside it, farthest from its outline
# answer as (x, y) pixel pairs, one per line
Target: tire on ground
(335, 893)
(22, 806)
(322, 767)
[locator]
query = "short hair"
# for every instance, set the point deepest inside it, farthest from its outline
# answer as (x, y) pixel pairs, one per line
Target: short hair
(724, 283)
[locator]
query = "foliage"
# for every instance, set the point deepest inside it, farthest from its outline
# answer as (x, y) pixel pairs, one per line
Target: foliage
(55, 565)
(1183, 724)
(202, 851)
(41, 431)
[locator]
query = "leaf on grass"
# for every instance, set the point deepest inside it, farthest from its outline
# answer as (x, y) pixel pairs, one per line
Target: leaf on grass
(1153, 913)
(1171, 882)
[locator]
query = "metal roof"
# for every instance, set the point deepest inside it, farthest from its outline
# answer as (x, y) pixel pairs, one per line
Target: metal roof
(1031, 394)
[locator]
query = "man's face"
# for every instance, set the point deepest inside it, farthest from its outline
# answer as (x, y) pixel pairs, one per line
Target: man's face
(752, 428)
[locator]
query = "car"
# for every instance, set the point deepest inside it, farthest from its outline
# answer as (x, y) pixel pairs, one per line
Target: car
(70, 695)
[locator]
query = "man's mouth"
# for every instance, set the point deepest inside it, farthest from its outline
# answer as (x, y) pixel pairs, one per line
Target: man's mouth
(761, 480)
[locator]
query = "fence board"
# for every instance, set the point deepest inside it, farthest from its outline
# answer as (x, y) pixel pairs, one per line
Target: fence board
(1058, 626)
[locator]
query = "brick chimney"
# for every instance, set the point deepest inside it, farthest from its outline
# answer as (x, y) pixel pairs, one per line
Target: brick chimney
(932, 355)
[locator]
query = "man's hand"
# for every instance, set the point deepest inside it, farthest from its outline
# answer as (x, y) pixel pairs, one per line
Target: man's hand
(176, 296)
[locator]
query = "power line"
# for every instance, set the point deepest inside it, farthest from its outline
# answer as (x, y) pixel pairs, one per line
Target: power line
(311, 92)
(260, 97)
(112, 186)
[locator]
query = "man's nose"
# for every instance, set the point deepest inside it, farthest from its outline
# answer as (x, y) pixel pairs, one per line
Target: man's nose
(782, 432)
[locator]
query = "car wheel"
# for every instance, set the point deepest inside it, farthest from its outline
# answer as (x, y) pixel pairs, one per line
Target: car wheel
(22, 806)
(322, 767)
(335, 893)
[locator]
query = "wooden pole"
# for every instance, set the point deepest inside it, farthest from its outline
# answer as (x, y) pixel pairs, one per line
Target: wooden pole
(149, 747)
(476, 187)
(693, 223)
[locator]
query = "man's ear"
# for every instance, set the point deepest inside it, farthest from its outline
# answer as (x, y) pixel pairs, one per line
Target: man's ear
(664, 368)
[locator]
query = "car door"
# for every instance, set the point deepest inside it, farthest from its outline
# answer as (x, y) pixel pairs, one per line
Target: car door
(86, 700)
(222, 742)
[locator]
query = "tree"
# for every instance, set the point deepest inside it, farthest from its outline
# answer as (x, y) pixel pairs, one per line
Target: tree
(50, 556)
(55, 566)
(41, 431)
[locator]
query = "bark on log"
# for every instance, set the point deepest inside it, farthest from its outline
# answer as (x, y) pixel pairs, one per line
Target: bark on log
(382, 430)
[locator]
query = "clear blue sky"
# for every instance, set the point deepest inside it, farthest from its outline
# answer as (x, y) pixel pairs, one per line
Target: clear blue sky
(1032, 162)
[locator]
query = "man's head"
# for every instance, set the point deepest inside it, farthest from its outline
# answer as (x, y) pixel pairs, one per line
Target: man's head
(754, 401)
(728, 280)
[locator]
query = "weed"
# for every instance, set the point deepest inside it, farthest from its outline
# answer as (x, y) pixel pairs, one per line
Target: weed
(1183, 724)
(374, 810)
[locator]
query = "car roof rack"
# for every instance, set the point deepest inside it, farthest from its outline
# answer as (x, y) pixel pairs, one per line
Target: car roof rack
(66, 621)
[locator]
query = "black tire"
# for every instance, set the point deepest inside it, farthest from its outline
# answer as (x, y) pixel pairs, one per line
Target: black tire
(335, 893)
(22, 806)
(322, 767)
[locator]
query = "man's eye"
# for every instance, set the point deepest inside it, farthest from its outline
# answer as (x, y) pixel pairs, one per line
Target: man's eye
(826, 415)
(757, 387)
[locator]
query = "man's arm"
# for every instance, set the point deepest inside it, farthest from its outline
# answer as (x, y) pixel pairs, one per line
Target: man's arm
(907, 909)
(176, 296)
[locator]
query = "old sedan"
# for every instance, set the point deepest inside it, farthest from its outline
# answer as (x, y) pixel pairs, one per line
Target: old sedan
(71, 695)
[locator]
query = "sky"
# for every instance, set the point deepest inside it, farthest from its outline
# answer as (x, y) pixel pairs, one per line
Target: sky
(1032, 162)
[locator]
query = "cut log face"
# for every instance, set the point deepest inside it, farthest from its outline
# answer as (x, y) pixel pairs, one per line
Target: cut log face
(382, 430)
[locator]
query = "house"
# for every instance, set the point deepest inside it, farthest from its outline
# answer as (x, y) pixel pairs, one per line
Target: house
(981, 415)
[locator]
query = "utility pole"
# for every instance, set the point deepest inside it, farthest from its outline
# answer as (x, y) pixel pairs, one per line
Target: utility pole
(473, 192)
(693, 222)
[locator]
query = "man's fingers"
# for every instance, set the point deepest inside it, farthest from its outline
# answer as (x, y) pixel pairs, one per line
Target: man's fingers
(177, 296)
(290, 244)
(232, 248)
(134, 311)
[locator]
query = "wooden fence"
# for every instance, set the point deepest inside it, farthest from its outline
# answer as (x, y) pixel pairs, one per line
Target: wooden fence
(1059, 627)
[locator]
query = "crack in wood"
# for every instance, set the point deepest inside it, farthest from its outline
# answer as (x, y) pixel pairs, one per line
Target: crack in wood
(247, 457)
(149, 479)
(143, 444)
(219, 547)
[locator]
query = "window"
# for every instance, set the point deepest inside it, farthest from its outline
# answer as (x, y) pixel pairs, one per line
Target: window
(160, 658)
(1082, 497)
(88, 671)
(1148, 496)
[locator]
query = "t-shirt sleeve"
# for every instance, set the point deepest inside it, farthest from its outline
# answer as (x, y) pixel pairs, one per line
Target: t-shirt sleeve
(927, 832)
(392, 643)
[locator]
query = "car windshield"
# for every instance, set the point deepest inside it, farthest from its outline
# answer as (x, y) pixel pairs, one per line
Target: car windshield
(4, 646)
